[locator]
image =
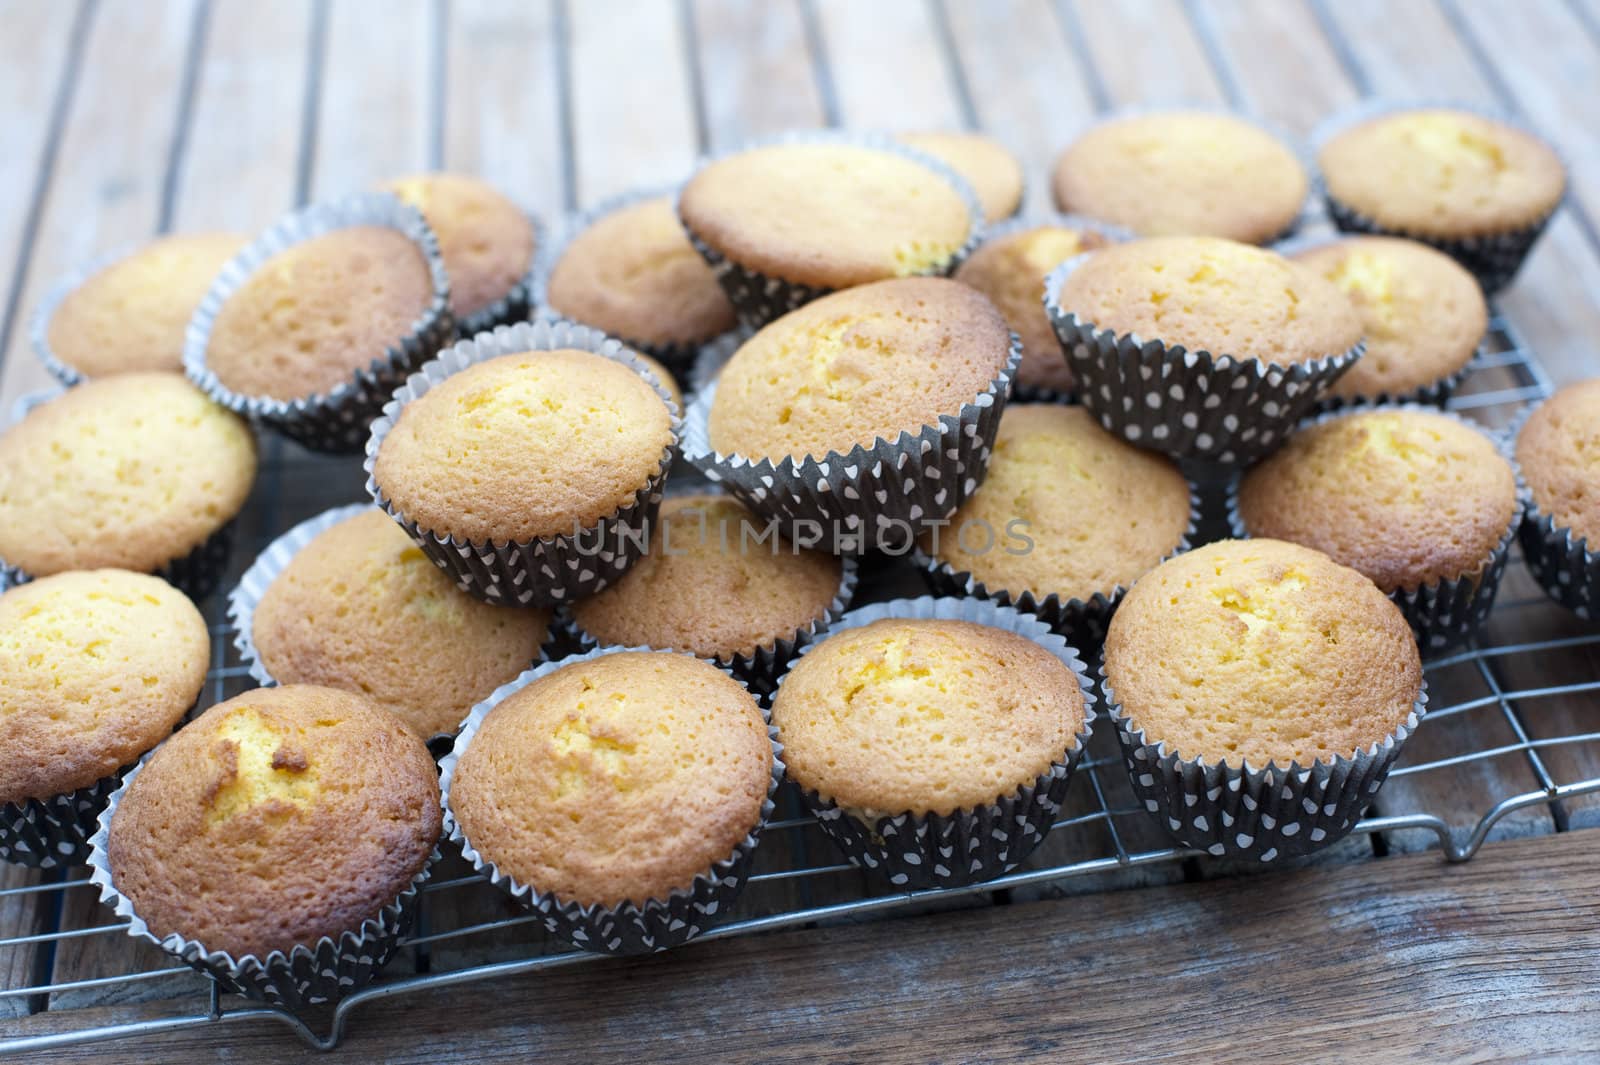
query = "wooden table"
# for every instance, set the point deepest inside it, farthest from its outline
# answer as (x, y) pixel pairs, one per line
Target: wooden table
(126, 119)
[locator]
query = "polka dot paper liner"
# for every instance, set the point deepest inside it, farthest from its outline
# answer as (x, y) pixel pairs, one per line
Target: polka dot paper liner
(54, 832)
(1563, 563)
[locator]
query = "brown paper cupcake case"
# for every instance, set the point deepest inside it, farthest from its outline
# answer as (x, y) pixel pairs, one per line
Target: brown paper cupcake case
(1493, 258)
(1447, 612)
(629, 928)
(337, 420)
(966, 846)
(324, 971)
(1244, 812)
(1187, 404)
(875, 495)
(549, 570)
(759, 298)
(1081, 621)
(1562, 562)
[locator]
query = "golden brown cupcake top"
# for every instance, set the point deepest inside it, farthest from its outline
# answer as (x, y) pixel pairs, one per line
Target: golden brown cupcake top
(361, 608)
(1559, 452)
(276, 818)
(828, 215)
(1010, 270)
(705, 586)
(846, 369)
(96, 668)
(989, 167)
(1182, 173)
(615, 779)
(1097, 512)
(485, 239)
(914, 716)
(129, 471)
(312, 315)
(1443, 173)
(1407, 497)
(1421, 312)
(1261, 651)
(131, 316)
(634, 274)
(1209, 294)
(522, 446)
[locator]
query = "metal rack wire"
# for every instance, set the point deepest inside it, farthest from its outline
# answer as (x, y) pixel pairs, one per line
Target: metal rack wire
(468, 932)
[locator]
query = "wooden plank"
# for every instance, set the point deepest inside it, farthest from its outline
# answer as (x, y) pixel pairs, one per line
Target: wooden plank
(1146, 55)
(887, 66)
(755, 70)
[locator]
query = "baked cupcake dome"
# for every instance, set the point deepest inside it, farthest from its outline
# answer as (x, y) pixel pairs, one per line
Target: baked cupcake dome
(275, 819)
(664, 378)
(129, 314)
(618, 792)
(1557, 449)
(1010, 269)
(360, 608)
(1183, 173)
(486, 240)
(1068, 518)
(986, 164)
(133, 471)
(1422, 315)
(630, 271)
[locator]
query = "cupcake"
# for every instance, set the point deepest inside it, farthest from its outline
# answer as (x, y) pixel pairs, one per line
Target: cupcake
(1184, 173)
(1558, 449)
(785, 221)
(315, 323)
(1200, 347)
(1478, 189)
(866, 413)
(347, 601)
(1261, 693)
(1420, 502)
(134, 471)
(627, 269)
(487, 243)
(276, 843)
(660, 375)
(526, 463)
(718, 583)
(1422, 314)
(96, 668)
(934, 738)
(618, 794)
(127, 313)
(1069, 517)
(1010, 267)
(986, 164)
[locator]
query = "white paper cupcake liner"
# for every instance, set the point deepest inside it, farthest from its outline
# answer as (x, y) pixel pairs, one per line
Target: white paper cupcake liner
(1260, 814)
(874, 496)
(1188, 404)
(1493, 258)
(337, 420)
(196, 574)
(966, 846)
(549, 570)
(759, 298)
(1444, 613)
(629, 928)
(54, 297)
(324, 971)
(1561, 561)
(1082, 622)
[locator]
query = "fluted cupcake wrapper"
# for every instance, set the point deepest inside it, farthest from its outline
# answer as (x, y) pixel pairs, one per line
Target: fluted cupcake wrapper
(1493, 258)
(875, 496)
(54, 297)
(966, 846)
(1082, 622)
(195, 574)
(1260, 814)
(629, 928)
(553, 569)
(713, 356)
(1559, 560)
(516, 305)
(759, 298)
(54, 832)
(1187, 404)
(338, 420)
(324, 971)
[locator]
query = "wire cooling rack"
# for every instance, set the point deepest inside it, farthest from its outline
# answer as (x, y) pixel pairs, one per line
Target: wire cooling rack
(1487, 710)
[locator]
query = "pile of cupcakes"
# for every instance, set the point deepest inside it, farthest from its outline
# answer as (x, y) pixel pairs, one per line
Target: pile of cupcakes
(623, 476)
